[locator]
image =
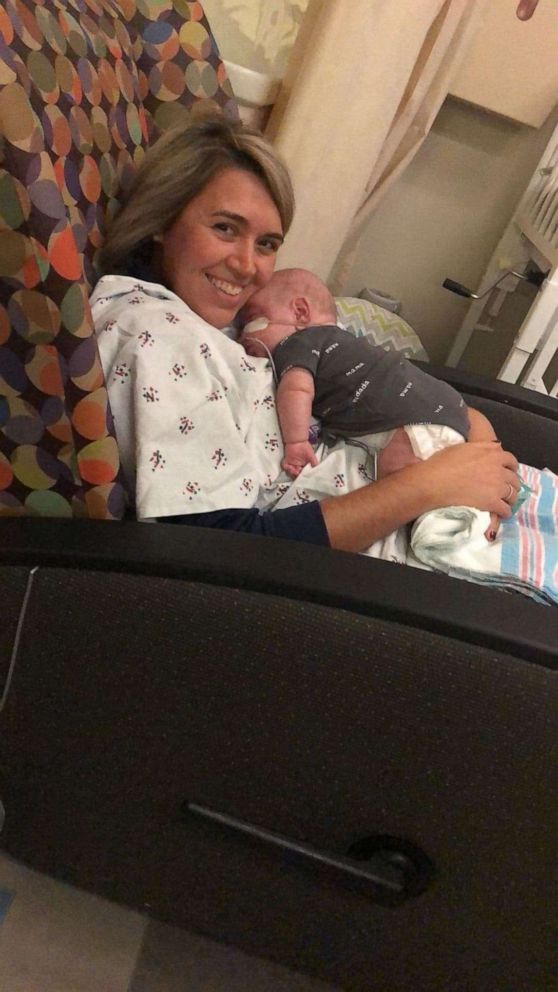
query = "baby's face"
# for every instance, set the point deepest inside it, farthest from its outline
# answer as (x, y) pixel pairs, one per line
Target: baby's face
(267, 320)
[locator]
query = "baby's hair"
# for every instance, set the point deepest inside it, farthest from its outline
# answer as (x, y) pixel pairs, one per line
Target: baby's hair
(305, 283)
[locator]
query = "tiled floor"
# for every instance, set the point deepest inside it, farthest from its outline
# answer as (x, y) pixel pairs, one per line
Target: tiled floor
(54, 938)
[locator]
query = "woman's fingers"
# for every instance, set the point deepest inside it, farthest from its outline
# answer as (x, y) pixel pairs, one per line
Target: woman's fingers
(507, 498)
(525, 9)
(510, 461)
(512, 489)
(492, 532)
(479, 474)
(504, 511)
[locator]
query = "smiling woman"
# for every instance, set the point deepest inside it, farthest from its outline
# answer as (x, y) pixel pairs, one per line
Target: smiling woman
(195, 418)
(216, 257)
(179, 191)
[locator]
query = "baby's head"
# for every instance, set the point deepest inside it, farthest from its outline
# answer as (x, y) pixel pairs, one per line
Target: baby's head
(292, 300)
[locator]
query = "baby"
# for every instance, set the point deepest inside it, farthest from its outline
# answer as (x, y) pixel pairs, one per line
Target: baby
(359, 391)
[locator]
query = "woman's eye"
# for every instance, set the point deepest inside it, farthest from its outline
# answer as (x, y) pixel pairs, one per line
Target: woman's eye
(269, 245)
(224, 227)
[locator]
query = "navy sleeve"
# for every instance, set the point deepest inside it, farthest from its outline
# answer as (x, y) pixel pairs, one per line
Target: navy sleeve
(296, 523)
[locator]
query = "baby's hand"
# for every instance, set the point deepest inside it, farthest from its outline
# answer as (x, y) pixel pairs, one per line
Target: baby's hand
(297, 455)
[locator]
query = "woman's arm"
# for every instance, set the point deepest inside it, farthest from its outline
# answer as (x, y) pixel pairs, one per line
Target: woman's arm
(474, 474)
(294, 398)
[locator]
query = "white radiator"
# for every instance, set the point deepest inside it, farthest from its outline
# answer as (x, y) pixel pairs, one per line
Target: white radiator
(537, 216)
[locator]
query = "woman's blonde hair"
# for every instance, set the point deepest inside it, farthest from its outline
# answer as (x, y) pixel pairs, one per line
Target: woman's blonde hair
(176, 169)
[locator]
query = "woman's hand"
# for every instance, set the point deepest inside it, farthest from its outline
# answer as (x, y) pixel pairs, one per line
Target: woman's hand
(525, 9)
(479, 474)
(480, 429)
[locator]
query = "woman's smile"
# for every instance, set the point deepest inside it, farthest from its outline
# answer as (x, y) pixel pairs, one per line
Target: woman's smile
(223, 246)
(225, 287)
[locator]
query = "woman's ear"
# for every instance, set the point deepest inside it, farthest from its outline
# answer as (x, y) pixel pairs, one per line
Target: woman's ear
(301, 309)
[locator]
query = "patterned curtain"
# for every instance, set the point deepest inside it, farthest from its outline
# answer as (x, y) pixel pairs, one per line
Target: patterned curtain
(85, 85)
(365, 82)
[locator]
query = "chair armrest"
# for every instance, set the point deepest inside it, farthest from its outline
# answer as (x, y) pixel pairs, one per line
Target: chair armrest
(494, 389)
(369, 587)
(525, 421)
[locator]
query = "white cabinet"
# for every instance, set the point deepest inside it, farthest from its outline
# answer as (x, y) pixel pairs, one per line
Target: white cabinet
(511, 67)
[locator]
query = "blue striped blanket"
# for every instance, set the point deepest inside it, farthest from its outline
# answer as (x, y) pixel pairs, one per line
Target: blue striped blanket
(524, 556)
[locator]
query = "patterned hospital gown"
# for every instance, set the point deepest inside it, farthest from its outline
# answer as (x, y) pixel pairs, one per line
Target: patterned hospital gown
(195, 417)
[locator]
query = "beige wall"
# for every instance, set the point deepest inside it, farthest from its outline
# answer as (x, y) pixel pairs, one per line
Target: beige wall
(445, 216)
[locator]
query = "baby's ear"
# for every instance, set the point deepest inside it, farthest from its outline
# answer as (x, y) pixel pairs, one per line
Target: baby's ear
(301, 309)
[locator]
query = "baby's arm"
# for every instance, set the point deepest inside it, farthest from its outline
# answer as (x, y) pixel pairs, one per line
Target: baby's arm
(295, 394)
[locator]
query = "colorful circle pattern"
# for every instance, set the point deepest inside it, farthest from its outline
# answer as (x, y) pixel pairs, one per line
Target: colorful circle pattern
(85, 86)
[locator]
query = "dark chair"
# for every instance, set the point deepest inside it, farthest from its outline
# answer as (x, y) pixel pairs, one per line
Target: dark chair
(333, 762)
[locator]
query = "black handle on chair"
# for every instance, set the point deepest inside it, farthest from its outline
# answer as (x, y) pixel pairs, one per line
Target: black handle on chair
(388, 869)
(457, 287)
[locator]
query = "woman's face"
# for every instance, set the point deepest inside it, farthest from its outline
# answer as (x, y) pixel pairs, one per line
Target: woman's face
(222, 247)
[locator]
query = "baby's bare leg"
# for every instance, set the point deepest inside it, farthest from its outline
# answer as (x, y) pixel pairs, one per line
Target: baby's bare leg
(397, 454)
